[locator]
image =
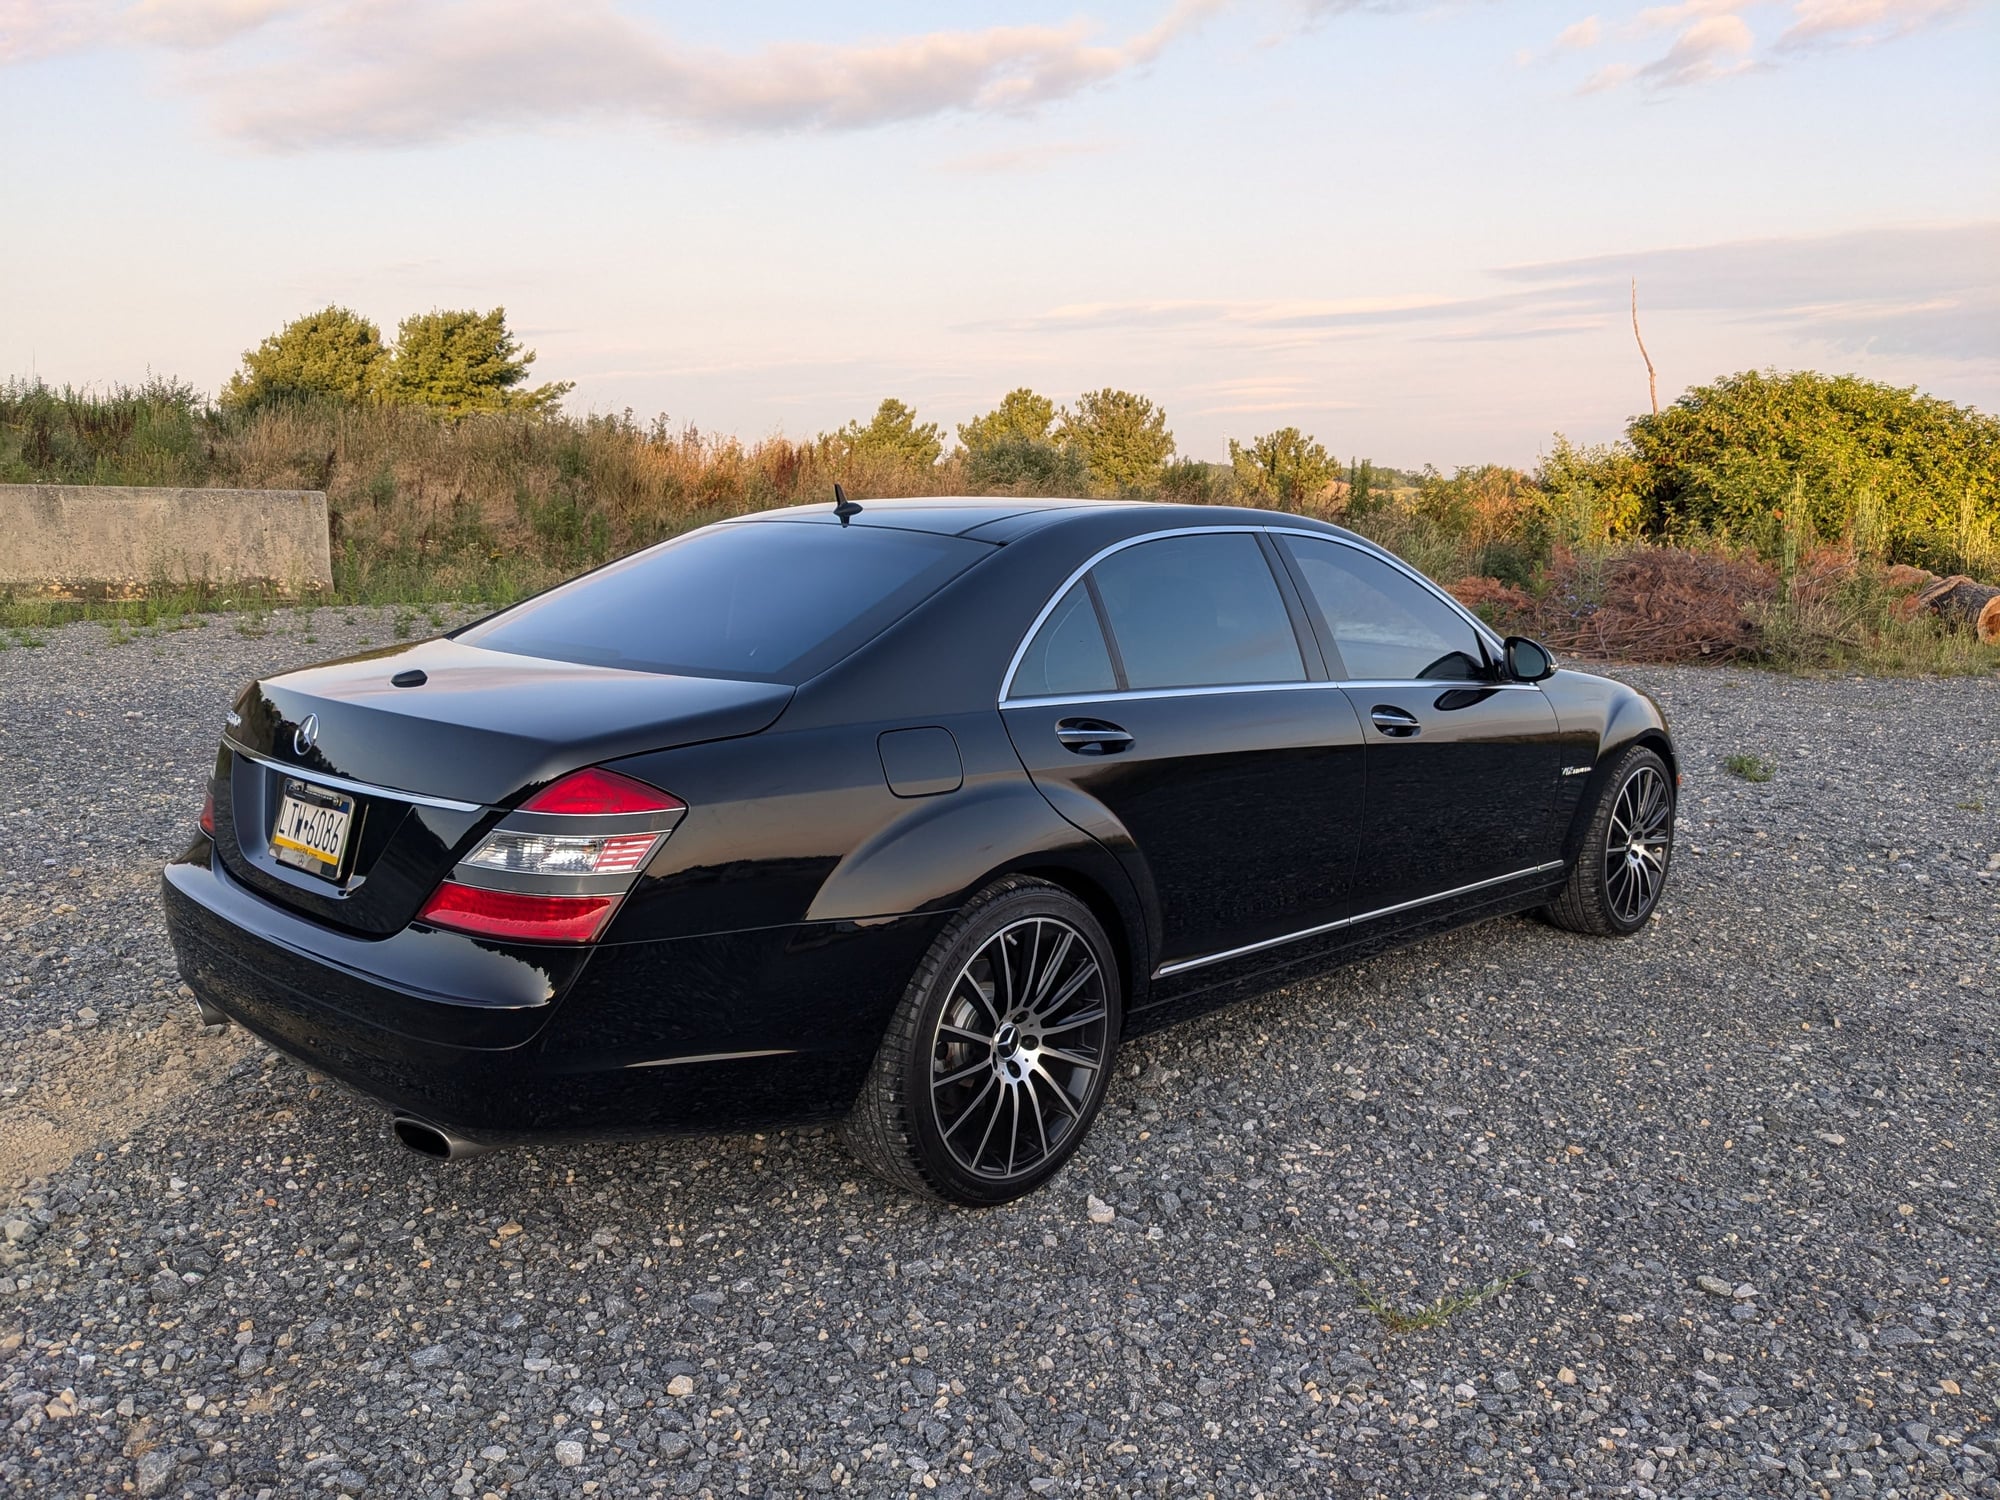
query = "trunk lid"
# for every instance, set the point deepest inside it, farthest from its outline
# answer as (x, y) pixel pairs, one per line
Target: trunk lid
(421, 769)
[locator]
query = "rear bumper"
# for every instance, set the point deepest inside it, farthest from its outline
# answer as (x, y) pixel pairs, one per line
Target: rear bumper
(508, 1044)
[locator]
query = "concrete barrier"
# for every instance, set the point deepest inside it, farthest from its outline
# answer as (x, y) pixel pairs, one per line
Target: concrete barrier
(95, 539)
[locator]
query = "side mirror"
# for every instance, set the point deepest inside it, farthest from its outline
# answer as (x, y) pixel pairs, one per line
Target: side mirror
(1528, 661)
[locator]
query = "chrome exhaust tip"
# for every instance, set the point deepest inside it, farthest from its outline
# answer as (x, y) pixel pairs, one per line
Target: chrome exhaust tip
(214, 1017)
(434, 1141)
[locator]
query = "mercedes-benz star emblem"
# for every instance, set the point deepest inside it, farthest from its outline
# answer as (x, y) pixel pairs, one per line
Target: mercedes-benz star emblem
(307, 734)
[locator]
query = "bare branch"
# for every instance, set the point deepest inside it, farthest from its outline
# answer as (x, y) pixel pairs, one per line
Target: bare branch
(1652, 380)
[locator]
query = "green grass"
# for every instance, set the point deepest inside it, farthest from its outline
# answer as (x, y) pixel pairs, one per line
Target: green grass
(1749, 767)
(1399, 1319)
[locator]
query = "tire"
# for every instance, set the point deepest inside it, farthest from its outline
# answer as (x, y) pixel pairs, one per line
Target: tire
(1007, 1033)
(1616, 882)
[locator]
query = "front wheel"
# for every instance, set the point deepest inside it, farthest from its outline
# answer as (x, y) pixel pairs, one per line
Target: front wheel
(999, 1055)
(1622, 867)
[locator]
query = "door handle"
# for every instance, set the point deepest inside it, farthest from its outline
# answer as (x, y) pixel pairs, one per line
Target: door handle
(1091, 737)
(1395, 722)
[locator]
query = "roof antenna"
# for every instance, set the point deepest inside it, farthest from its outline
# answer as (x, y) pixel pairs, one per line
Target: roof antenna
(844, 507)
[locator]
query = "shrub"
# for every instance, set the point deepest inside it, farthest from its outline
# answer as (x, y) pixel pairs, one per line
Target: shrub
(1027, 466)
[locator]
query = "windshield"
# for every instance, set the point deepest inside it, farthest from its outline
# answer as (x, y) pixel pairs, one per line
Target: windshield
(770, 601)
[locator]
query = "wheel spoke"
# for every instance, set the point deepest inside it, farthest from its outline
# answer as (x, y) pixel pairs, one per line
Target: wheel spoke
(1062, 1095)
(1041, 1125)
(979, 1151)
(1020, 989)
(1081, 1018)
(985, 1002)
(984, 1038)
(1077, 1059)
(1003, 988)
(1068, 991)
(1014, 1130)
(1050, 967)
(967, 1113)
(982, 1066)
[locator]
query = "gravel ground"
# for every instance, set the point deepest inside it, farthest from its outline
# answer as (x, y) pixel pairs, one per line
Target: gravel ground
(1728, 1189)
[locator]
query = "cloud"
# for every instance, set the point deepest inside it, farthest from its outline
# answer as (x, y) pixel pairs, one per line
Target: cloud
(1713, 48)
(1715, 40)
(1920, 290)
(285, 76)
(1917, 290)
(202, 23)
(1584, 35)
(1851, 23)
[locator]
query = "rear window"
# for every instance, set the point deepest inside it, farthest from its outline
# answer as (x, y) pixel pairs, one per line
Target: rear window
(771, 601)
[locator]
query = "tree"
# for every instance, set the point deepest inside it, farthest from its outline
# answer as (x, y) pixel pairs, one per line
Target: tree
(1286, 466)
(460, 362)
(1123, 437)
(1021, 416)
(894, 434)
(333, 354)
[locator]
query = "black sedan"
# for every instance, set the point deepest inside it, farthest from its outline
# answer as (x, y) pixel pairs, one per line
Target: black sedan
(902, 815)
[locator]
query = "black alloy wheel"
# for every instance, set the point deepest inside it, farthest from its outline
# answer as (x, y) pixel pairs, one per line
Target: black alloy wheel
(1622, 867)
(1636, 843)
(999, 1055)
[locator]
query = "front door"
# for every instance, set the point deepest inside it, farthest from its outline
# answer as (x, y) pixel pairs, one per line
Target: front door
(1462, 764)
(1167, 707)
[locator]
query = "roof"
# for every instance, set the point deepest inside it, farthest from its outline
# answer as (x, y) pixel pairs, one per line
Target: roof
(1001, 518)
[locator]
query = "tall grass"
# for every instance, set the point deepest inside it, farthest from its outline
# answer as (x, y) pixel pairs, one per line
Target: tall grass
(490, 507)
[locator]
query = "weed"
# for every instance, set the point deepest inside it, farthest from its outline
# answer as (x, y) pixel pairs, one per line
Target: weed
(1749, 767)
(1974, 806)
(1434, 1314)
(405, 624)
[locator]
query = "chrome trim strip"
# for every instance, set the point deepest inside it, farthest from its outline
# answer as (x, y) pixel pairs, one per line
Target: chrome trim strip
(1479, 626)
(1187, 692)
(1421, 684)
(709, 1057)
(1181, 966)
(345, 784)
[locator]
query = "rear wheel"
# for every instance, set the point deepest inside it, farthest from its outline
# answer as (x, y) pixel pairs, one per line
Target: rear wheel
(1622, 867)
(999, 1054)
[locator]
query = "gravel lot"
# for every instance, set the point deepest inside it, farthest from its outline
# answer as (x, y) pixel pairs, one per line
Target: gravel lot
(1736, 1177)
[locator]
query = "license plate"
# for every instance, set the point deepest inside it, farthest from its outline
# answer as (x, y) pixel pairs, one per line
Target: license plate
(311, 831)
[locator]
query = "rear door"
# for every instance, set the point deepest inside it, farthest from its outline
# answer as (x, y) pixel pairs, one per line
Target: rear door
(1462, 766)
(1173, 703)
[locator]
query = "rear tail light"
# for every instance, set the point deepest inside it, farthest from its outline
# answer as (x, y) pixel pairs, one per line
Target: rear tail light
(557, 867)
(208, 810)
(511, 914)
(598, 791)
(565, 854)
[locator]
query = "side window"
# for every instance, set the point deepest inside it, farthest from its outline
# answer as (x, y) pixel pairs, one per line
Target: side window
(1067, 655)
(1198, 611)
(1384, 625)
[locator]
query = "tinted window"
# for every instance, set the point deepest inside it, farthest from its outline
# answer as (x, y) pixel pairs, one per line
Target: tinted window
(1067, 655)
(1198, 611)
(1385, 625)
(767, 600)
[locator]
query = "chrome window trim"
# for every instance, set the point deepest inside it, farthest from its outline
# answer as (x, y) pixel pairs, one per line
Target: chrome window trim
(345, 784)
(1420, 684)
(1181, 966)
(1478, 626)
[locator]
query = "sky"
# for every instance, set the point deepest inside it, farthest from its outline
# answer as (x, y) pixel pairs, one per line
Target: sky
(1410, 229)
